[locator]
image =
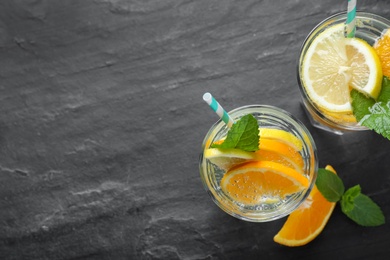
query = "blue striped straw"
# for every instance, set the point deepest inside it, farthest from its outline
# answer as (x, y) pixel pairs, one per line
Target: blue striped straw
(218, 109)
(351, 21)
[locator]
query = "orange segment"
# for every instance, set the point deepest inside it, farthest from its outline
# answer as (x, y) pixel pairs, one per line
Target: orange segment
(306, 222)
(382, 48)
(276, 145)
(267, 155)
(283, 149)
(261, 181)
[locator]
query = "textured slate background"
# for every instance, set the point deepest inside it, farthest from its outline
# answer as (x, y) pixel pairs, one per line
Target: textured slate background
(102, 118)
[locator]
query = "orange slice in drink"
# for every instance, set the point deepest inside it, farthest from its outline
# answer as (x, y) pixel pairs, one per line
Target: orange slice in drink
(275, 145)
(306, 223)
(261, 181)
(267, 155)
(292, 156)
(382, 48)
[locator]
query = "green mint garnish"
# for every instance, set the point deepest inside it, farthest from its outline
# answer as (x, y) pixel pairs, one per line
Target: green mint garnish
(375, 115)
(361, 209)
(349, 197)
(361, 104)
(384, 95)
(354, 204)
(330, 185)
(244, 135)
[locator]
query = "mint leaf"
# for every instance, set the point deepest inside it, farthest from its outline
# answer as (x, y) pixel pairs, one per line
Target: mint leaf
(330, 185)
(384, 96)
(348, 198)
(379, 119)
(355, 205)
(360, 104)
(361, 209)
(373, 115)
(243, 135)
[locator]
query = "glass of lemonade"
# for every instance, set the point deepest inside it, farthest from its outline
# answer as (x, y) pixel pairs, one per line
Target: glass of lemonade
(269, 183)
(370, 28)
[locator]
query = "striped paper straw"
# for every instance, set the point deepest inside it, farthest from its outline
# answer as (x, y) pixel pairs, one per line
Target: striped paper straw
(218, 109)
(351, 21)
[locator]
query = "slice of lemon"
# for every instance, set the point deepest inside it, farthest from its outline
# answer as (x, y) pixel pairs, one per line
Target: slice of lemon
(227, 158)
(333, 63)
(307, 222)
(343, 117)
(366, 68)
(283, 136)
(262, 181)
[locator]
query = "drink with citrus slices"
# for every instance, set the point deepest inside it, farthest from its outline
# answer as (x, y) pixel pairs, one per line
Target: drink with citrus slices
(331, 66)
(267, 183)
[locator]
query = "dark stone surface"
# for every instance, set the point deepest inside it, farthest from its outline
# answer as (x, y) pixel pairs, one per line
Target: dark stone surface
(102, 118)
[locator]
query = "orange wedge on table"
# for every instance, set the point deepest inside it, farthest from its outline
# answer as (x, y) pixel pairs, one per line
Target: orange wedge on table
(306, 222)
(259, 181)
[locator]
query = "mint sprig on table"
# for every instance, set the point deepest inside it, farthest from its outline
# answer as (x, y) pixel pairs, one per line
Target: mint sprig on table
(244, 135)
(373, 114)
(357, 206)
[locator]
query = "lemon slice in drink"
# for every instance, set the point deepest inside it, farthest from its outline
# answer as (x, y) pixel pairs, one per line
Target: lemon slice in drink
(366, 68)
(227, 158)
(333, 64)
(281, 135)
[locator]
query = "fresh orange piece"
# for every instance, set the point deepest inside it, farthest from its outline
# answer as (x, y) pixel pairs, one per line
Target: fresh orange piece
(382, 48)
(276, 145)
(306, 223)
(262, 181)
(288, 152)
(267, 155)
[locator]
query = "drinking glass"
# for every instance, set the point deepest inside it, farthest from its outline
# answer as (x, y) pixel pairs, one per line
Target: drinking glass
(267, 117)
(369, 27)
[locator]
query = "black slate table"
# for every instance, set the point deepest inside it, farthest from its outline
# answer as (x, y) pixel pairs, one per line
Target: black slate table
(102, 119)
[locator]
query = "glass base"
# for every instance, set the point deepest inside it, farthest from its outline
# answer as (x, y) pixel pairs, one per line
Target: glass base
(316, 122)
